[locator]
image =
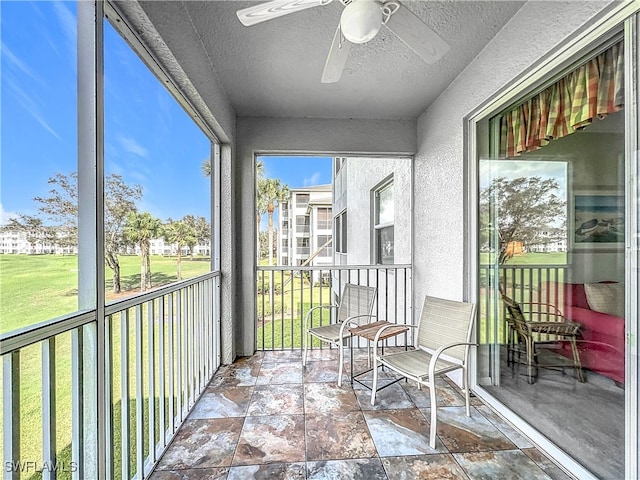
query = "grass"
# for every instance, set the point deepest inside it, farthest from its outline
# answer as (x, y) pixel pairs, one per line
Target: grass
(37, 288)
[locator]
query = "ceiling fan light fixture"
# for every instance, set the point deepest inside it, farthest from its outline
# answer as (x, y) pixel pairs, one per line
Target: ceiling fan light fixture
(361, 20)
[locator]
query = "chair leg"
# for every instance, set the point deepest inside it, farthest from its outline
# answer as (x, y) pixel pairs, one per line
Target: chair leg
(576, 360)
(374, 387)
(341, 363)
(434, 407)
(467, 394)
(304, 349)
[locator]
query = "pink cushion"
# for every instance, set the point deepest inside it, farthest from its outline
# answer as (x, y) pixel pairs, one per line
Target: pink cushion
(575, 295)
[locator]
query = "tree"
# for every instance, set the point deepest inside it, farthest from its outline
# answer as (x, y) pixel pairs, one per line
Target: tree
(523, 208)
(202, 231)
(61, 206)
(206, 168)
(181, 233)
(119, 201)
(139, 229)
(272, 192)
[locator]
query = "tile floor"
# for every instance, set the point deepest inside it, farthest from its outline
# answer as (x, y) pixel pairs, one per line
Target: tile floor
(264, 417)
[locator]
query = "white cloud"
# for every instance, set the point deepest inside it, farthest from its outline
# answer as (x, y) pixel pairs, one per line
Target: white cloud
(132, 146)
(312, 180)
(6, 216)
(18, 64)
(68, 23)
(31, 107)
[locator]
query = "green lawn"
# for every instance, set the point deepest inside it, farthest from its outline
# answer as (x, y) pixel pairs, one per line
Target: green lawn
(34, 288)
(37, 288)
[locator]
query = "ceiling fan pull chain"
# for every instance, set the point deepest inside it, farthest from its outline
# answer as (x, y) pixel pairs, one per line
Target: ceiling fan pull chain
(388, 9)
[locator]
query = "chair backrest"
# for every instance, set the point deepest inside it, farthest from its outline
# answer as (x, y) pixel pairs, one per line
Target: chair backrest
(443, 322)
(356, 300)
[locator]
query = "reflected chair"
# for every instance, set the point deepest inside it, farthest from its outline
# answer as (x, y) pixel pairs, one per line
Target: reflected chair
(441, 345)
(355, 308)
(533, 325)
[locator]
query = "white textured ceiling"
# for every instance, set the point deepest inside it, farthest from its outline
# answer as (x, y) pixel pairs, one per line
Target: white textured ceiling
(274, 68)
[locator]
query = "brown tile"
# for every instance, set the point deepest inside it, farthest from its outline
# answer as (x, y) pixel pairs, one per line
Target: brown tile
(468, 434)
(505, 464)
(241, 375)
(191, 474)
(221, 402)
(203, 443)
(280, 372)
(329, 398)
(323, 355)
(361, 468)
(446, 396)
(277, 399)
(283, 356)
(331, 436)
(322, 371)
(272, 439)
(424, 467)
(390, 397)
(272, 471)
(400, 432)
(550, 468)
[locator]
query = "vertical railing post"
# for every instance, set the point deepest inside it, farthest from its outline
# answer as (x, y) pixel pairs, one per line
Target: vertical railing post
(161, 373)
(125, 427)
(151, 379)
(170, 333)
(49, 407)
(11, 414)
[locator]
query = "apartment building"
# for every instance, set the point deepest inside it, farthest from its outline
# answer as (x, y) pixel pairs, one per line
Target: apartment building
(305, 227)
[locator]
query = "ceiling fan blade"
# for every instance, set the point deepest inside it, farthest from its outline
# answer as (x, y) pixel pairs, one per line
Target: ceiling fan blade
(336, 59)
(416, 35)
(274, 9)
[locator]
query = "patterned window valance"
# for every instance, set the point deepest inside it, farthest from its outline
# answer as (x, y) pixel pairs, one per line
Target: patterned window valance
(594, 89)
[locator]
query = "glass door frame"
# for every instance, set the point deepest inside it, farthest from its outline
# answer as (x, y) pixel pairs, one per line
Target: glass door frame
(620, 17)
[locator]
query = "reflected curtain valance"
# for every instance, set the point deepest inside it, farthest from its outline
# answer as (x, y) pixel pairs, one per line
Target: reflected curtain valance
(594, 89)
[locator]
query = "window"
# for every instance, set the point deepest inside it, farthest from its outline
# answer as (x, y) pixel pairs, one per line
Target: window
(383, 226)
(322, 243)
(302, 224)
(302, 200)
(324, 219)
(340, 237)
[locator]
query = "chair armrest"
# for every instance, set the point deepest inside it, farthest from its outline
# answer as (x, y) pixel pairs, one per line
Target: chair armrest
(306, 317)
(554, 328)
(440, 350)
(379, 333)
(347, 322)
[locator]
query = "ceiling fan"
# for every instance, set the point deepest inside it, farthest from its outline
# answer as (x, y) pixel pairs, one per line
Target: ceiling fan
(360, 22)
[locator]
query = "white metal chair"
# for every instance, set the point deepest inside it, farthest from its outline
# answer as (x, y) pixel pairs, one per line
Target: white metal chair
(441, 345)
(355, 308)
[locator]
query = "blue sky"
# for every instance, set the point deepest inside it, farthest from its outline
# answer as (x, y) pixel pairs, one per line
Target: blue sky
(149, 139)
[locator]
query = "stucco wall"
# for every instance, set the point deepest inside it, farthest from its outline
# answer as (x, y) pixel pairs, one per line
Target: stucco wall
(258, 135)
(439, 230)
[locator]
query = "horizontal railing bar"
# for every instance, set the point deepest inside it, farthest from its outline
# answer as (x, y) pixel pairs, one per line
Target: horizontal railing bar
(31, 334)
(524, 266)
(333, 267)
(120, 305)
(23, 337)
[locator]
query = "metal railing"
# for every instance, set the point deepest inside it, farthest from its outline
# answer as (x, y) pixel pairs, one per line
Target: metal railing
(523, 283)
(161, 349)
(285, 295)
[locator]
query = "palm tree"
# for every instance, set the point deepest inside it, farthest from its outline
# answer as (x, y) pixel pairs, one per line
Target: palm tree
(181, 233)
(271, 192)
(206, 169)
(139, 229)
